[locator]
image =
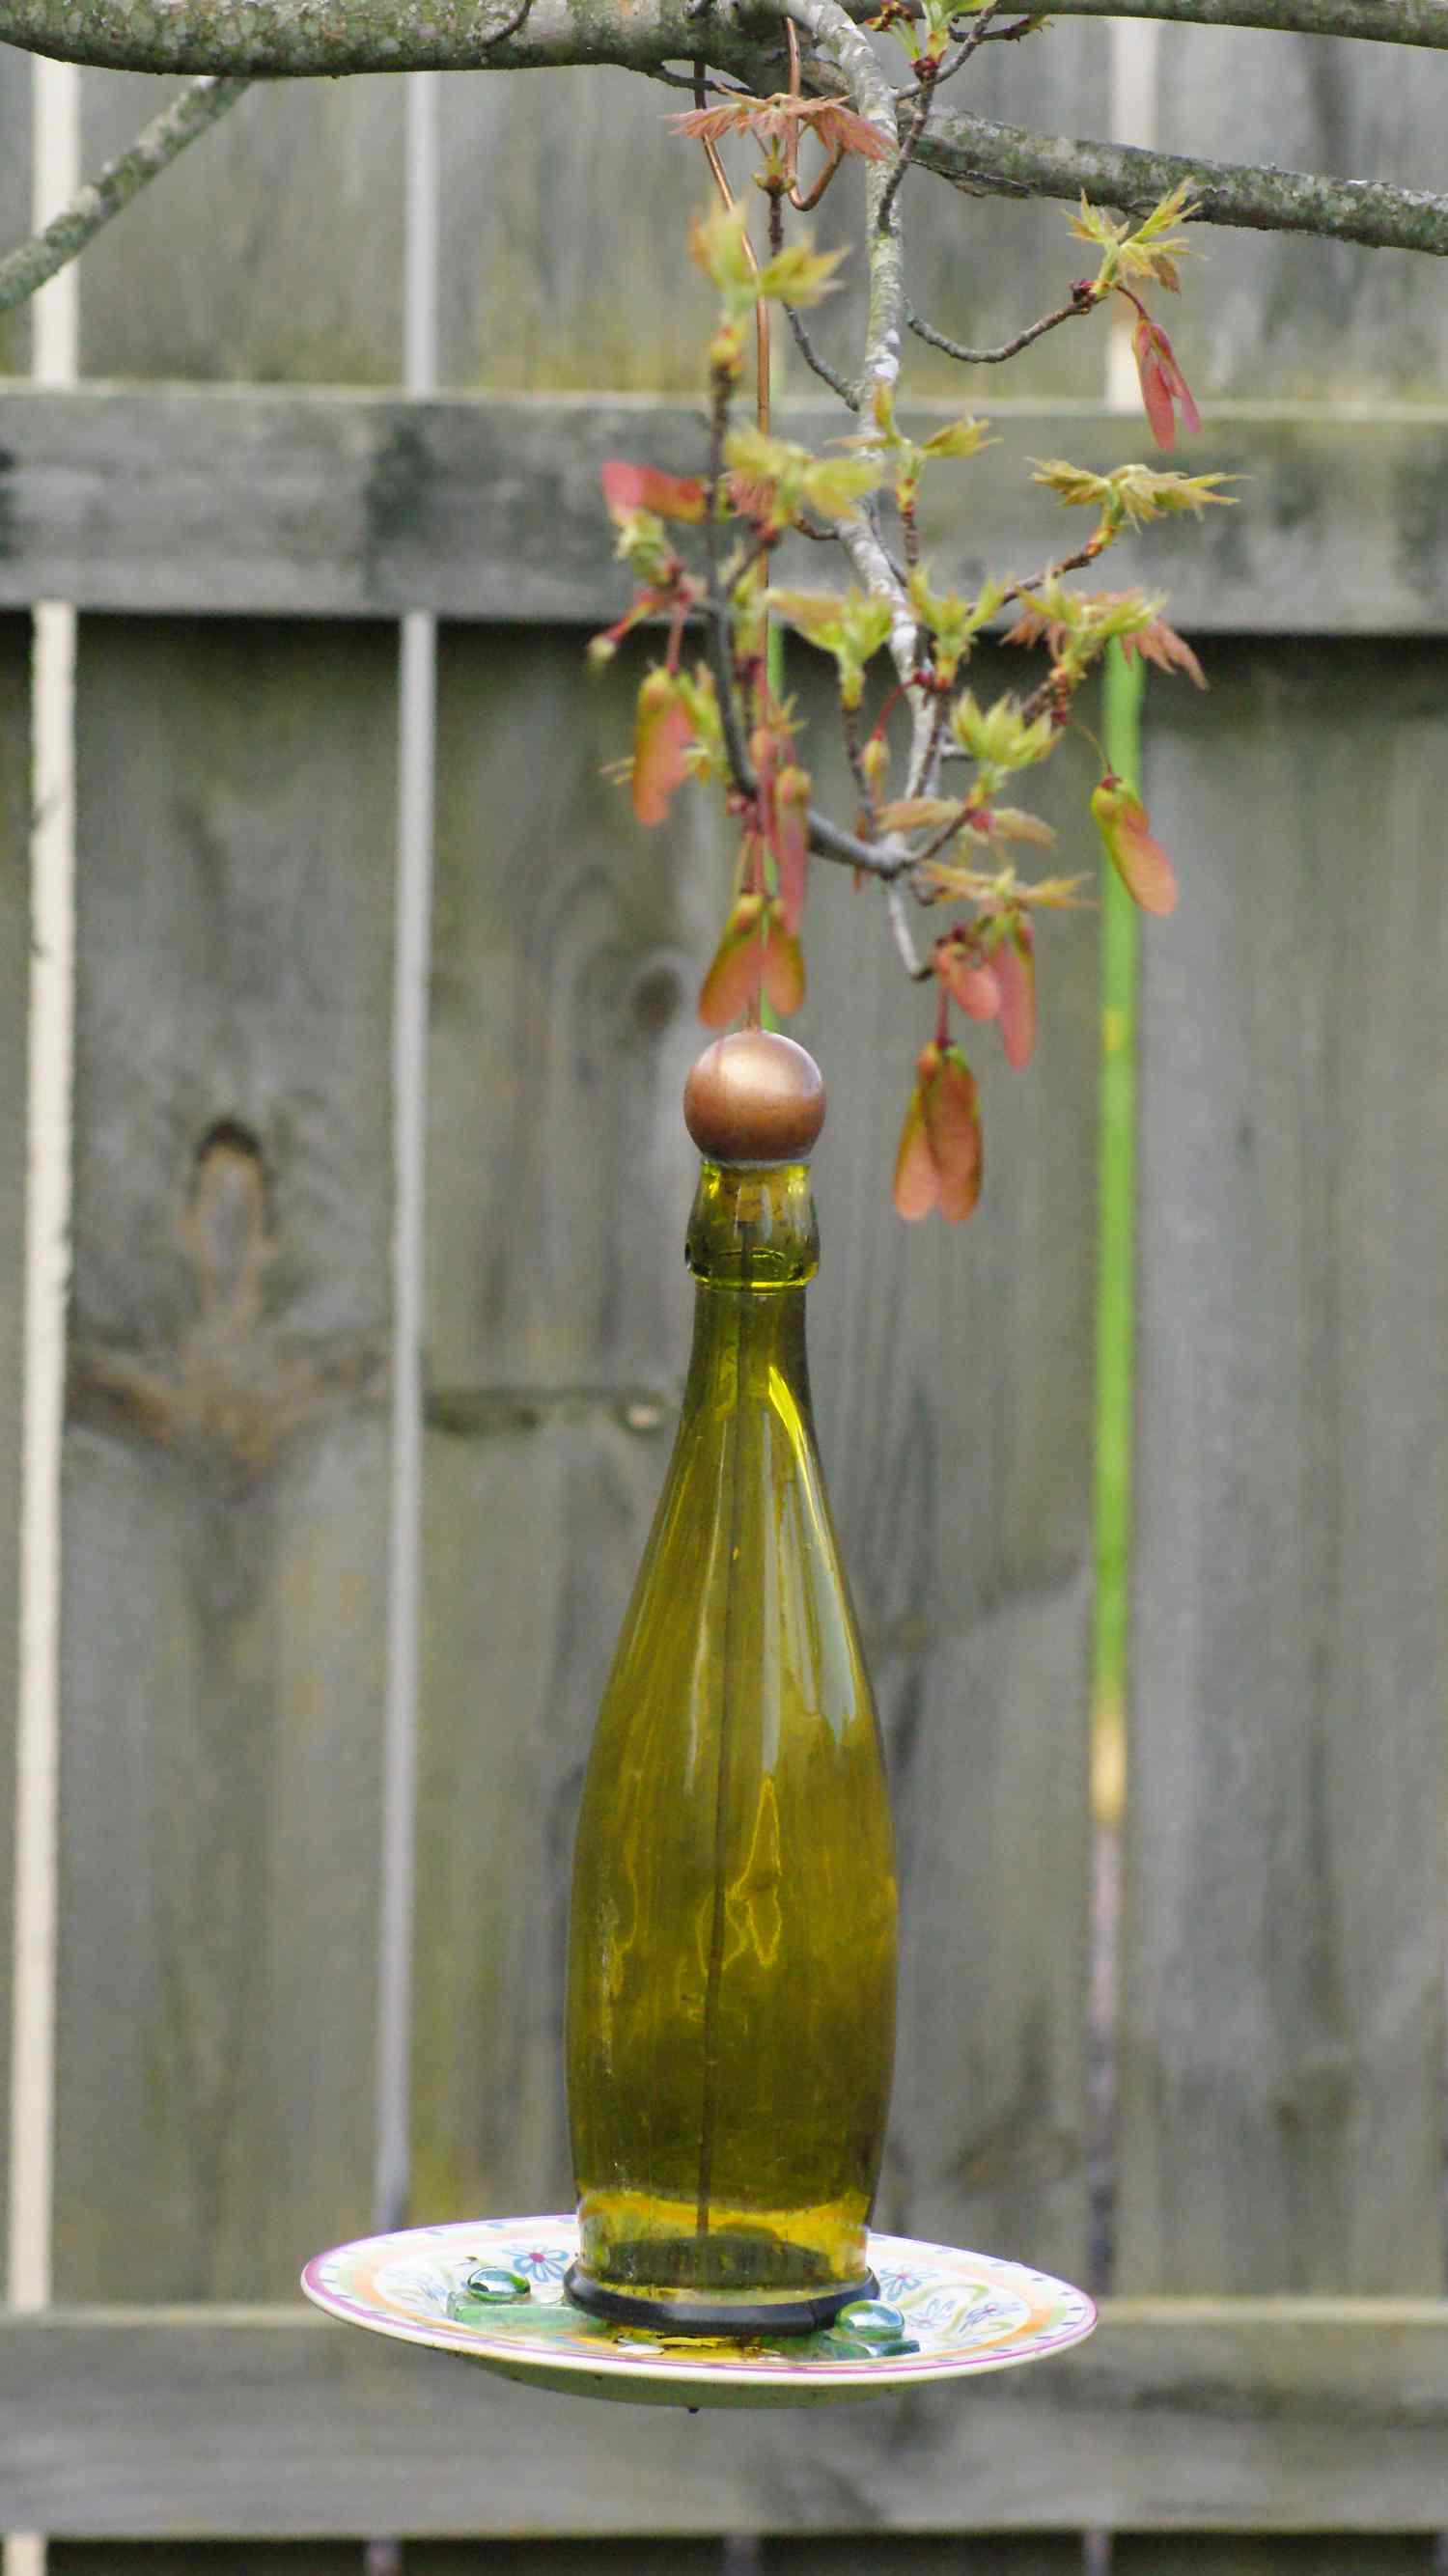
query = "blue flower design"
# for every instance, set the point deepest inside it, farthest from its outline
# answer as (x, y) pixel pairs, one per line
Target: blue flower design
(542, 2263)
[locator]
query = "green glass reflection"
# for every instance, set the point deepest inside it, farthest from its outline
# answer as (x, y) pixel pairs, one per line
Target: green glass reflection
(731, 1972)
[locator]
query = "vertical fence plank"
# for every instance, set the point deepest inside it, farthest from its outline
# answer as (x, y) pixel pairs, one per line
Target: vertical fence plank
(1320, 321)
(536, 172)
(1281, 2119)
(558, 1323)
(14, 998)
(226, 1458)
(291, 217)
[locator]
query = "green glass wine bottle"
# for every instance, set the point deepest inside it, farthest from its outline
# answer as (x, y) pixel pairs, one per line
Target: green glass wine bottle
(731, 1964)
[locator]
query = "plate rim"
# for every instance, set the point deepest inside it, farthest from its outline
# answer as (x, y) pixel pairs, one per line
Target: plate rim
(904, 2370)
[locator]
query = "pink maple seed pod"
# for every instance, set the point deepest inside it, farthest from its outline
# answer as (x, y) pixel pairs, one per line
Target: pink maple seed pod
(736, 970)
(970, 980)
(783, 967)
(1163, 386)
(952, 1125)
(1015, 970)
(662, 735)
(791, 842)
(916, 1188)
(1139, 859)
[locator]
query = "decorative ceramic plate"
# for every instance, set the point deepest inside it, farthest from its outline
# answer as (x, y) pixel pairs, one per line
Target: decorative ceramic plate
(492, 2290)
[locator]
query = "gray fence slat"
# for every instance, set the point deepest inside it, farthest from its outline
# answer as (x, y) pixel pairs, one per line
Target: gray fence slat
(1281, 2119)
(600, 2557)
(1310, 320)
(291, 218)
(225, 1501)
(1280, 2416)
(1319, 2554)
(14, 1087)
(351, 505)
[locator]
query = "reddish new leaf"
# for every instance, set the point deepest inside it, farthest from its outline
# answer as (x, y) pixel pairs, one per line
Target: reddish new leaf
(1015, 971)
(662, 735)
(646, 487)
(1139, 860)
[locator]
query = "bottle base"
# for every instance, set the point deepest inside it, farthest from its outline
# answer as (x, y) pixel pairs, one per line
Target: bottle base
(690, 2313)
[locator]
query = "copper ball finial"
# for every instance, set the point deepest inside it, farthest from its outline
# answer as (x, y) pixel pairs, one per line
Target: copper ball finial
(755, 1097)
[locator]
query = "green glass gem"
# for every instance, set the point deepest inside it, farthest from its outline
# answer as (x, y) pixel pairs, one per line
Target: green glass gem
(486, 2287)
(869, 2330)
(870, 2318)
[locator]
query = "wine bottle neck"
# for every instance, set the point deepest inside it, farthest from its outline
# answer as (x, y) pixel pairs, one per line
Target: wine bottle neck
(753, 1228)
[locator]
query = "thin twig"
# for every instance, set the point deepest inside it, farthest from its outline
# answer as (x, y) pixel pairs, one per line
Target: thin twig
(1078, 305)
(685, 80)
(822, 368)
(510, 27)
(926, 74)
(197, 109)
(900, 932)
(969, 44)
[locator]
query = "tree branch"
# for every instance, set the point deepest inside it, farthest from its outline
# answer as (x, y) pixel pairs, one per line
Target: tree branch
(24, 271)
(1004, 160)
(297, 37)
(1383, 22)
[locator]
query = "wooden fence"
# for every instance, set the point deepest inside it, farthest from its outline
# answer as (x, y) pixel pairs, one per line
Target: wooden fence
(242, 503)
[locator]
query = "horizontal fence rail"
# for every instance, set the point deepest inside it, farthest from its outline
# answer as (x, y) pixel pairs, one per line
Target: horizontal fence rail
(331, 503)
(1273, 2415)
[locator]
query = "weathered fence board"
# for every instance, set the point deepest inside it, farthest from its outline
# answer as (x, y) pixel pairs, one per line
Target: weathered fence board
(1282, 2100)
(1283, 2416)
(1315, 321)
(291, 218)
(953, 1376)
(310, 504)
(227, 1459)
(14, 998)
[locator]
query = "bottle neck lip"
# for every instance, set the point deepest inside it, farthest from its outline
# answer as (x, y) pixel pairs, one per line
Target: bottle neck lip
(753, 1227)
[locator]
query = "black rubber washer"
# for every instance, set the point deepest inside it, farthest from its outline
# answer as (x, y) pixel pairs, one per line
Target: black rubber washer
(721, 2318)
